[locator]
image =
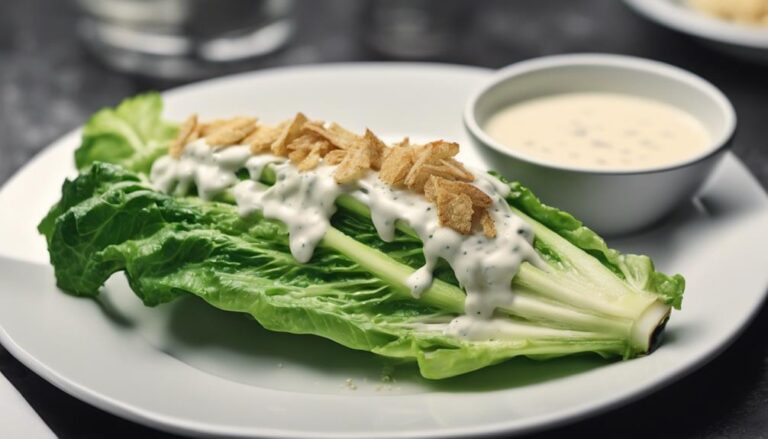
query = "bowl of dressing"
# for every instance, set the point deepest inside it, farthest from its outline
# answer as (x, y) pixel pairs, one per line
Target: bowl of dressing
(617, 141)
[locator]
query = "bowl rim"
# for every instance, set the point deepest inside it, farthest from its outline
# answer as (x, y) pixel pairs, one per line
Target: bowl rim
(676, 15)
(598, 60)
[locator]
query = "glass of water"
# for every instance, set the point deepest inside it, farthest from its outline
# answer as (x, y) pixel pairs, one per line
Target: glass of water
(184, 39)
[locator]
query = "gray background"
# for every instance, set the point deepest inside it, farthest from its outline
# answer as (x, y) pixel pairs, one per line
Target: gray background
(49, 85)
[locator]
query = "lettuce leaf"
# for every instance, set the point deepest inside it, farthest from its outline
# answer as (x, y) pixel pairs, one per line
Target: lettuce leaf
(132, 135)
(109, 220)
(590, 298)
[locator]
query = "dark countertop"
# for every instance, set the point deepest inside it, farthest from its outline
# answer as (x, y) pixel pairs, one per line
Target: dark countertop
(49, 84)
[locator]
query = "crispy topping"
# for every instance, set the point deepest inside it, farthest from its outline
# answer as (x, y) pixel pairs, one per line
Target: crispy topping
(262, 138)
(360, 156)
(478, 197)
(429, 154)
(311, 161)
(289, 133)
(375, 148)
(207, 127)
(186, 130)
(453, 170)
(486, 222)
(307, 150)
(338, 136)
(335, 157)
(397, 162)
(306, 142)
(298, 156)
(229, 132)
(441, 191)
(353, 166)
(455, 211)
(430, 169)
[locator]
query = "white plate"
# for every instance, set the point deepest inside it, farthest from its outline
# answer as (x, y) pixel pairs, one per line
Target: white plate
(749, 42)
(188, 368)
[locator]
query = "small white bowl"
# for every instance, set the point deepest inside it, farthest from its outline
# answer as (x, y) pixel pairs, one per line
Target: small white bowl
(610, 202)
(744, 41)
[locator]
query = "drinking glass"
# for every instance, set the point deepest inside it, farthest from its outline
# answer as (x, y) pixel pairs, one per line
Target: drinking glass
(183, 39)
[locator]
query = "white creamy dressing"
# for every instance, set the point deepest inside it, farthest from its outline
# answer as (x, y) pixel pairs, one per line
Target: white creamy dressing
(600, 130)
(305, 202)
(211, 171)
(483, 266)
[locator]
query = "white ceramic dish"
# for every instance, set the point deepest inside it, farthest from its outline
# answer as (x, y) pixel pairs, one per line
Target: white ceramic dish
(188, 368)
(613, 202)
(748, 42)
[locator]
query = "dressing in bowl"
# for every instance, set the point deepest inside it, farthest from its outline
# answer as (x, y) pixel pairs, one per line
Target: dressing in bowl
(617, 141)
(600, 130)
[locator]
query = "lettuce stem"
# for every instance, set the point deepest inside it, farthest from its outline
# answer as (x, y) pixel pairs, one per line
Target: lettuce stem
(551, 299)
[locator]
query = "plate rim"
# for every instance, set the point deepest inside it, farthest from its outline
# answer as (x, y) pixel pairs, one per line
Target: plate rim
(176, 425)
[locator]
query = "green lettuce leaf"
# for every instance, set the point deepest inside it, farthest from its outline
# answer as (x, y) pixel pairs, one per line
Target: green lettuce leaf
(590, 298)
(110, 220)
(132, 135)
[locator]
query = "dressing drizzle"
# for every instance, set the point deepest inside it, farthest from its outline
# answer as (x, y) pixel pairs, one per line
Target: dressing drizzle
(305, 201)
